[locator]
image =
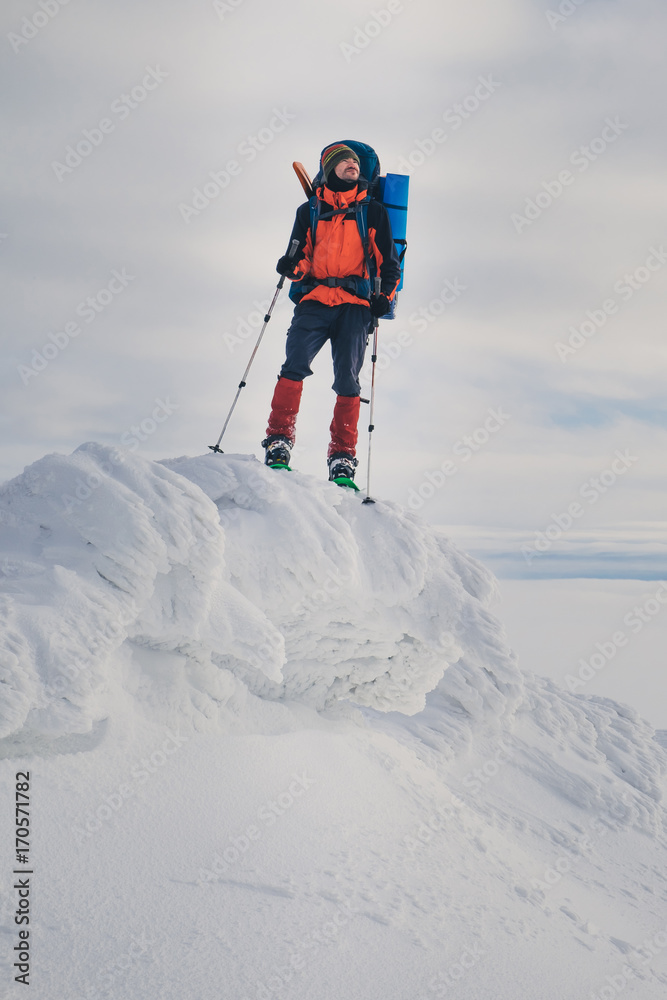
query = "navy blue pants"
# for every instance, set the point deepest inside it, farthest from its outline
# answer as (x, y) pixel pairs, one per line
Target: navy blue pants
(347, 327)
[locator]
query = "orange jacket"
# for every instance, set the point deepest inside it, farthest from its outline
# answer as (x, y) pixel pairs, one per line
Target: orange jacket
(338, 250)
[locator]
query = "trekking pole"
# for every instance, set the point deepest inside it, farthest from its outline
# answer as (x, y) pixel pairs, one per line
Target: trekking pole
(294, 246)
(371, 426)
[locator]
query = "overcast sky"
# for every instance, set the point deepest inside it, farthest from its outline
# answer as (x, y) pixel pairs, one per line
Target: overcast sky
(534, 133)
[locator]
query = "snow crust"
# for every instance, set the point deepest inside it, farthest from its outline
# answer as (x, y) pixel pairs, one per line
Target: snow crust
(186, 647)
(293, 590)
(271, 584)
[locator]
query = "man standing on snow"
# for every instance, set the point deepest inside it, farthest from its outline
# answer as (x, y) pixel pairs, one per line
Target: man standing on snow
(337, 305)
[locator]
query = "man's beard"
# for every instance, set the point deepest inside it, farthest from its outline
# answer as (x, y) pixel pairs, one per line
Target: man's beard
(336, 183)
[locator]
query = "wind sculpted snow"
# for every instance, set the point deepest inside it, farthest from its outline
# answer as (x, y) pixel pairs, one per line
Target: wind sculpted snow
(266, 585)
(255, 710)
(285, 585)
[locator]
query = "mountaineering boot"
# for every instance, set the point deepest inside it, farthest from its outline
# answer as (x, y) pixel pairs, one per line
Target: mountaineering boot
(341, 470)
(278, 450)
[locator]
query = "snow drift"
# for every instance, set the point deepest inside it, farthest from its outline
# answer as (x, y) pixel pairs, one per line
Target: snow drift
(267, 585)
(254, 708)
(285, 585)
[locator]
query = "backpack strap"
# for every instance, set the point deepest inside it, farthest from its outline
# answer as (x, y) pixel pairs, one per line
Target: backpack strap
(360, 210)
(314, 203)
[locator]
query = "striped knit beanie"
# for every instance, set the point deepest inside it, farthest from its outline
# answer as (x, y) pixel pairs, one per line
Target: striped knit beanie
(334, 154)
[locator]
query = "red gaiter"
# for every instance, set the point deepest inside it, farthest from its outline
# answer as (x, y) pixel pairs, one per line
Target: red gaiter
(284, 408)
(343, 428)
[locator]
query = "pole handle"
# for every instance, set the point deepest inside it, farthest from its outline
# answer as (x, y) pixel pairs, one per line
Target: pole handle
(294, 246)
(377, 285)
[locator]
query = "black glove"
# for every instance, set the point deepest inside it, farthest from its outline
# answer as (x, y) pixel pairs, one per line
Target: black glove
(287, 265)
(380, 305)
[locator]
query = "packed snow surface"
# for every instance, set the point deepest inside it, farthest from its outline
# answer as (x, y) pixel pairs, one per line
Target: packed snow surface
(278, 747)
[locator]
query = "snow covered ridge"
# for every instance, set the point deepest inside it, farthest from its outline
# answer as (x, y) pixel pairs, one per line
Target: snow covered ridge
(203, 588)
(280, 585)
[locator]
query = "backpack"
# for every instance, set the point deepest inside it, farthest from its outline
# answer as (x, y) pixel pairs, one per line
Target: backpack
(369, 168)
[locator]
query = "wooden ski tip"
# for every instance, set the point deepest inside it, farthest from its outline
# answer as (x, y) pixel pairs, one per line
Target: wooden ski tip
(305, 180)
